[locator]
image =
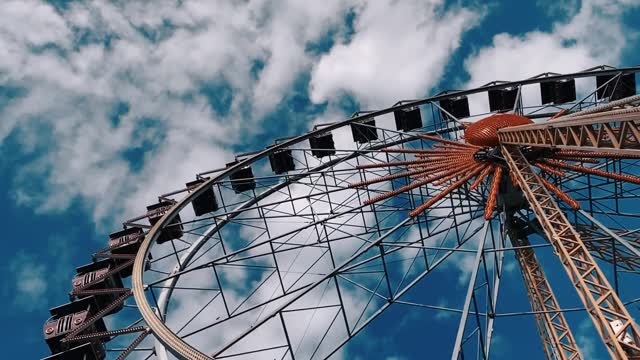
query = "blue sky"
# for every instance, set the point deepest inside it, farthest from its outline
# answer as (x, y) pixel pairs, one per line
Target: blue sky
(105, 105)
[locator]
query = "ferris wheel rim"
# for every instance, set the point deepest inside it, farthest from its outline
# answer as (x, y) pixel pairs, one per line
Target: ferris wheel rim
(165, 296)
(197, 245)
(163, 334)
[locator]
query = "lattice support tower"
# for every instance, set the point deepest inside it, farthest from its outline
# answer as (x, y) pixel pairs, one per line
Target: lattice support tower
(603, 305)
(557, 339)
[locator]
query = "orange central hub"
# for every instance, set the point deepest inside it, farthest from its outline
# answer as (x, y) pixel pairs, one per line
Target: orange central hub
(485, 131)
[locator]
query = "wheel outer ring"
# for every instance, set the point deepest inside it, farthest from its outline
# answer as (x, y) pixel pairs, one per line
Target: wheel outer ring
(176, 345)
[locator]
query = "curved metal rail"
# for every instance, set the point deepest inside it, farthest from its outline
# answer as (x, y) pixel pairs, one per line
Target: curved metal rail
(165, 295)
(163, 334)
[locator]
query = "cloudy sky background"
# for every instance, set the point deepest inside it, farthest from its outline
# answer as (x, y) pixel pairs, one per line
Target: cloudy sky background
(105, 105)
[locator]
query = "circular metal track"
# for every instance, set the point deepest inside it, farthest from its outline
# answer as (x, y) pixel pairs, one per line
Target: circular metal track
(456, 215)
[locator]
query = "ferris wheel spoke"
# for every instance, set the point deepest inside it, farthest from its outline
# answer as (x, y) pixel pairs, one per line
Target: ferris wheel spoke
(400, 294)
(190, 320)
(239, 313)
(237, 260)
(470, 298)
(608, 212)
(601, 245)
(264, 204)
(229, 256)
(606, 185)
(394, 247)
(291, 301)
(166, 256)
(417, 252)
(627, 254)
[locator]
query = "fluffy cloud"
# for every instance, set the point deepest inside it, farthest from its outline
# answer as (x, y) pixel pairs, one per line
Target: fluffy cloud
(30, 282)
(594, 34)
(111, 94)
(34, 280)
(112, 97)
(399, 51)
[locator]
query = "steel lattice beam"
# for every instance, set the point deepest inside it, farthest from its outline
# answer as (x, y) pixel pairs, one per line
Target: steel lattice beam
(615, 132)
(457, 348)
(603, 304)
(600, 245)
(557, 339)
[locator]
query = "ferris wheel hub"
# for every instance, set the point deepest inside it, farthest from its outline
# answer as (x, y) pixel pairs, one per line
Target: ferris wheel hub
(485, 131)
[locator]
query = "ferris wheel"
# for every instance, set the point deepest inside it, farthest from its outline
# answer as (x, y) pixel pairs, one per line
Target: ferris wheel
(427, 207)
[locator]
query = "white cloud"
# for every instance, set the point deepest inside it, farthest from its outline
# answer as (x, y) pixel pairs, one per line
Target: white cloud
(560, 7)
(77, 63)
(512, 57)
(593, 35)
(33, 22)
(399, 51)
(94, 55)
(586, 339)
(34, 278)
(30, 282)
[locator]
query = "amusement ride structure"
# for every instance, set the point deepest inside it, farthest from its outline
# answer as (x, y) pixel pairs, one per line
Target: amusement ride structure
(292, 251)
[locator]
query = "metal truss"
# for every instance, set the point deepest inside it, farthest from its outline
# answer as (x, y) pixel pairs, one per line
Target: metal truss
(557, 339)
(611, 245)
(610, 199)
(615, 132)
(603, 304)
(475, 328)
